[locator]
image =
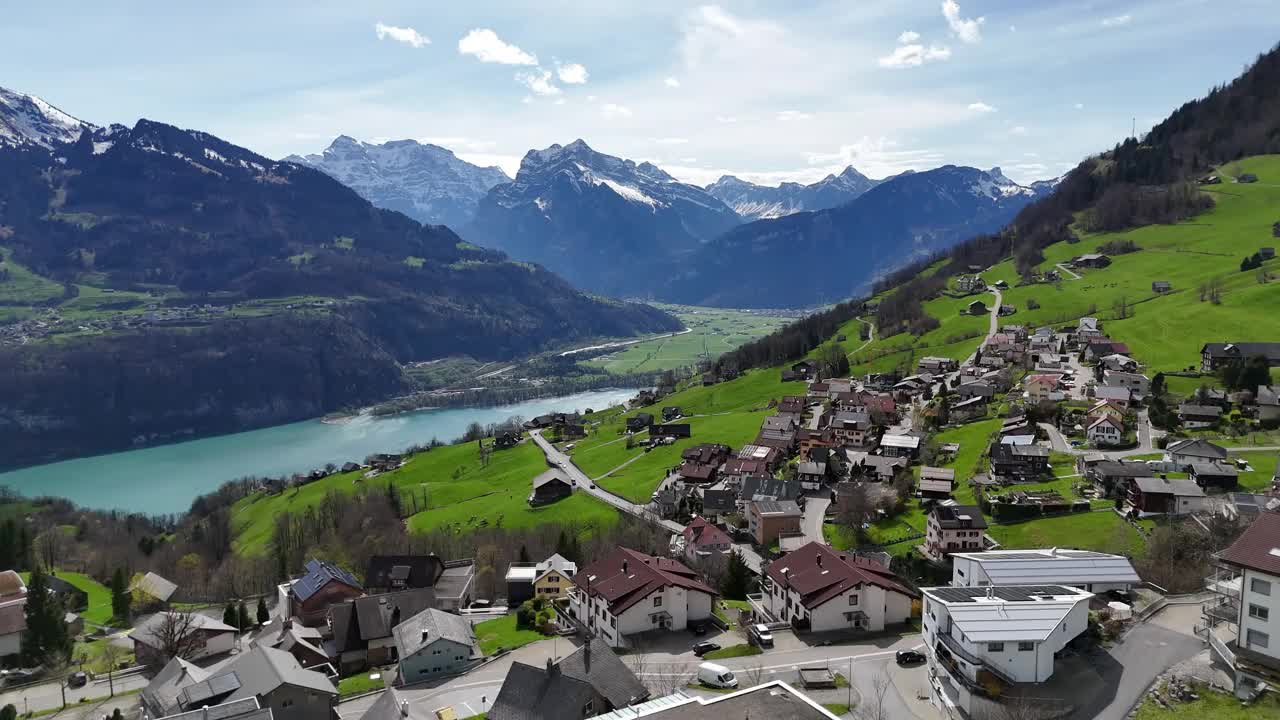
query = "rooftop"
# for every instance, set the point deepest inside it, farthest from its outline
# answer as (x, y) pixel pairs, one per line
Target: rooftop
(819, 573)
(627, 576)
(1007, 612)
(429, 626)
(1258, 548)
(773, 700)
(1053, 566)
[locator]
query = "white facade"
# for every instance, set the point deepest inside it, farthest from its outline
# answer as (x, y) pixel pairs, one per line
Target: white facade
(1260, 613)
(1105, 431)
(1093, 571)
(670, 607)
(862, 607)
(987, 642)
(1138, 384)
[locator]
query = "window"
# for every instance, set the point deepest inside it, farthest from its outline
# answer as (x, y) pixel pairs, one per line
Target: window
(657, 601)
(1260, 586)
(286, 703)
(1024, 646)
(1259, 612)
(995, 647)
(853, 599)
(613, 622)
(589, 709)
(1258, 639)
(959, 572)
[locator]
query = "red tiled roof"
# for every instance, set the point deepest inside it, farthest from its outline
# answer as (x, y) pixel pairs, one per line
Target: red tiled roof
(1259, 547)
(696, 471)
(820, 574)
(746, 466)
(700, 532)
(644, 575)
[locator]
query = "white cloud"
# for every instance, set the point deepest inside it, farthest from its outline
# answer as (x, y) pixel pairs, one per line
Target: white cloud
(1017, 130)
(1078, 106)
(406, 35)
(538, 81)
(908, 37)
(613, 110)
(789, 115)
(908, 56)
(968, 30)
(878, 157)
(571, 73)
(1117, 21)
(727, 119)
(671, 82)
(982, 107)
(670, 140)
(459, 142)
(487, 47)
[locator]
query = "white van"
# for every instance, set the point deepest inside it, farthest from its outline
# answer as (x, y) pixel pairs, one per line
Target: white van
(717, 676)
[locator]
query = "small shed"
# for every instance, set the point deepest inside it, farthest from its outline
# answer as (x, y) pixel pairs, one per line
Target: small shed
(1161, 286)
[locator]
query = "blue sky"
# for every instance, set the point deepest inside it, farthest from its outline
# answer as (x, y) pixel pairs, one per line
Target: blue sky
(769, 91)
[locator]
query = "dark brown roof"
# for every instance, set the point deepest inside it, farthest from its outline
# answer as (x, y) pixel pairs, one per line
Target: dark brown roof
(1259, 547)
(819, 574)
(701, 532)
(643, 575)
(949, 517)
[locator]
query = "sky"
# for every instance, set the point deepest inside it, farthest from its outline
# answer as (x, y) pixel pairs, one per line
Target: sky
(768, 91)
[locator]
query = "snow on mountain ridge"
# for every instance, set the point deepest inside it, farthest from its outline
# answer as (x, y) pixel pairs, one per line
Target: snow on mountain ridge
(758, 202)
(30, 119)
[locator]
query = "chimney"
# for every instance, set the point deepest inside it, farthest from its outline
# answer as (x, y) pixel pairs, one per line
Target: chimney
(819, 560)
(551, 668)
(991, 592)
(404, 708)
(624, 566)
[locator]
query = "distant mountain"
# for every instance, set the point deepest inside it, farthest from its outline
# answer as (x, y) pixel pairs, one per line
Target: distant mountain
(810, 258)
(28, 119)
(355, 292)
(756, 202)
(605, 223)
(426, 182)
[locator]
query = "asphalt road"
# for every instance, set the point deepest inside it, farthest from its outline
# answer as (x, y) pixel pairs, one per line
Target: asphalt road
(815, 509)
(48, 695)
(1135, 662)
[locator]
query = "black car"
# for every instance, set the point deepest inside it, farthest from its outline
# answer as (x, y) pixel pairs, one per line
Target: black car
(703, 648)
(77, 679)
(910, 657)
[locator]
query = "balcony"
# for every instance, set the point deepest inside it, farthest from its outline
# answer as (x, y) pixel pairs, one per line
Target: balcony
(953, 647)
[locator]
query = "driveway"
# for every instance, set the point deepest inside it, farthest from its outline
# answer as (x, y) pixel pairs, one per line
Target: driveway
(815, 510)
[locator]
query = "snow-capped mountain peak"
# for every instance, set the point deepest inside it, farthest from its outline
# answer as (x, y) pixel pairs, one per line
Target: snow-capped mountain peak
(29, 119)
(424, 181)
(756, 202)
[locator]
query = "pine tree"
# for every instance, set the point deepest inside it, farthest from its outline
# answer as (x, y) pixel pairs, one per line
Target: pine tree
(737, 578)
(229, 615)
(119, 595)
(524, 554)
(45, 641)
(263, 615)
(242, 617)
(8, 544)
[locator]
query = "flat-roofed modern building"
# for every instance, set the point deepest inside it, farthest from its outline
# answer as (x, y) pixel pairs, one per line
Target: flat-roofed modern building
(1093, 571)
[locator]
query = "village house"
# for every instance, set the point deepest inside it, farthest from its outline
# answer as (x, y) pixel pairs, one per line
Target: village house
(1095, 572)
(805, 369)
(953, 528)
(385, 573)
(1105, 431)
(675, 430)
(701, 539)
(767, 520)
(309, 597)
(1097, 348)
(305, 644)
(996, 641)
(900, 446)
(1248, 584)
(639, 422)
(589, 682)
(764, 487)
(879, 468)
(1214, 475)
(735, 470)
(362, 627)
(977, 307)
(819, 589)
(1214, 356)
(550, 486)
(937, 365)
(1199, 416)
(1112, 476)
(1042, 387)
(718, 502)
(1019, 463)
(812, 475)
(970, 284)
(152, 591)
(671, 412)
(434, 644)
(1120, 363)
(1268, 401)
(853, 429)
(1119, 396)
(936, 483)
(1092, 260)
(1184, 452)
(968, 410)
(1088, 327)
(208, 637)
(792, 405)
(1106, 408)
(553, 576)
(629, 592)
(281, 686)
(1161, 496)
(1137, 384)
(976, 388)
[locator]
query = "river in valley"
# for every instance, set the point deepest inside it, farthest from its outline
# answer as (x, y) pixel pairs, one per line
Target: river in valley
(166, 478)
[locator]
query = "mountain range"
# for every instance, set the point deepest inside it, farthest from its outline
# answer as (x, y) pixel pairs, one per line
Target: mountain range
(608, 224)
(759, 202)
(426, 182)
(341, 293)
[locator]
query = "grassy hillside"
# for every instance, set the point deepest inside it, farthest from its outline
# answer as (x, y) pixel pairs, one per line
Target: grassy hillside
(98, 611)
(713, 331)
(460, 494)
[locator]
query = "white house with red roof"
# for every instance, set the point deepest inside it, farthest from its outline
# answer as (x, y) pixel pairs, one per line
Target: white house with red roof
(701, 539)
(629, 592)
(820, 589)
(1043, 387)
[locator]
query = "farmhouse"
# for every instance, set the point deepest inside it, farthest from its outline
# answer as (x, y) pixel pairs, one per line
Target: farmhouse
(1185, 452)
(1137, 384)
(1216, 355)
(936, 482)
(1092, 260)
(1159, 496)
(966, 410)
(675, 430)
(1199, 416)
(900, 446)
(639, 422)
(1019, 463)
(362, 627)
(1042, 387)
(977, 307)
(1219, 476)
(821, 589)
(204, 636)
(549, 487)
(1161, 286)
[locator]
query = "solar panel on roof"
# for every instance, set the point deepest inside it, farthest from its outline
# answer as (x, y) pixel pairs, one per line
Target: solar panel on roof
(213, 687)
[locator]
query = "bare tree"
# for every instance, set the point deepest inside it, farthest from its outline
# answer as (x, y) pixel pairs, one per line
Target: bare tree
(176, 635)
(874, 704)
(753, 673)
(675, 677)
(111, 656)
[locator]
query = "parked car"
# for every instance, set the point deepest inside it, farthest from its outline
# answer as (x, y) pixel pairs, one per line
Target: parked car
(910, 657)
(760, 635)
(703, 648)
(717, 676)
(77, 679)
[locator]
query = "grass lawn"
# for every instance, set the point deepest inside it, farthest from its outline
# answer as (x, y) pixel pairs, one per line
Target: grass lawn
(714, 331)
(92, 654)
(974, 440)
(1212, 704)
(362, 683)
(99, 610)
(502, 633)
(1264, 468)
(1101, 531)
(733, 651)
(837, 709)
(458, 493)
